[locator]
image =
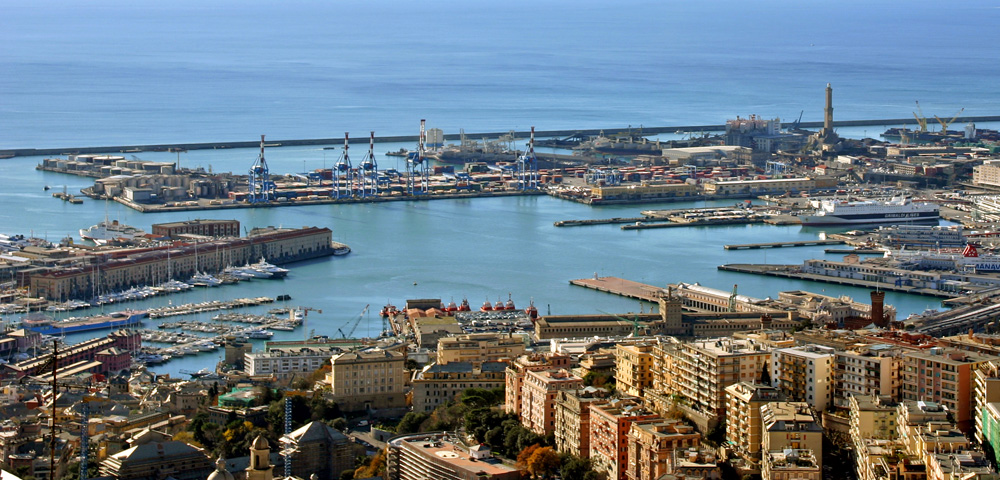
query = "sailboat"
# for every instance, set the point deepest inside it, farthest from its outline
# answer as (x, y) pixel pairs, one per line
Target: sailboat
(172, 285)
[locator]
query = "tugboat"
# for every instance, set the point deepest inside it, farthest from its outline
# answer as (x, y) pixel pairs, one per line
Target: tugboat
(499, 306)
(464, 307)
(510, 303)
(487, 306)
(452, 307)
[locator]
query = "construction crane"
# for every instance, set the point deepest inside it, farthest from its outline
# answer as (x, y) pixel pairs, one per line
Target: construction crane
(50, 365)
(921, 119)
(944, 124)
(305, 316)
(732, 299)
(354, 323)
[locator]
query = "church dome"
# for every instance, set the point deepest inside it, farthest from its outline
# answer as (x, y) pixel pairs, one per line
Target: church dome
(220, 472)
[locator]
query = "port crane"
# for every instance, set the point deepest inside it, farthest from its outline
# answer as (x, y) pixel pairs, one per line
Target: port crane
(634, 322)
(944, 124)
(260, 188)
(353, 323)
(921, 119)
(305, 315)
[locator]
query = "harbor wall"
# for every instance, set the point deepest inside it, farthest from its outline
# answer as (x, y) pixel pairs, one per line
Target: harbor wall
(413, 138)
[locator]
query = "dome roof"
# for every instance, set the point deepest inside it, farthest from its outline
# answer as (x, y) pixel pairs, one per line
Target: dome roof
(220, 472)
(260, 443)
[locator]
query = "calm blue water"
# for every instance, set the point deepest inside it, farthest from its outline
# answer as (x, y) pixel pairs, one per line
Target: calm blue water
(117, 72)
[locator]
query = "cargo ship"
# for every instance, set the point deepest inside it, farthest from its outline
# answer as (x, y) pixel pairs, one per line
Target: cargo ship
(48, 326)
(893, 211)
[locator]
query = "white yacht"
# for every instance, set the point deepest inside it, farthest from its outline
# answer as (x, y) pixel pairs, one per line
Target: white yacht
(106, 231)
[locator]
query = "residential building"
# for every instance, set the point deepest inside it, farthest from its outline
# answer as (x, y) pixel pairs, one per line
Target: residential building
(288, 363)
(514, 375)
(744, 429)
(633, 365)
(438, 383)
(791, 464)
(964, 465)
(988, 407)
(480, 347)
(367, 379)
(873, 416)
(804, 374)
(702, 370)
(652, 445)
(538, 397)
(867, 370)
(943, 376)
(610, 424)
(924, 426)
(572, 432)
(437, 456)
(791, 425)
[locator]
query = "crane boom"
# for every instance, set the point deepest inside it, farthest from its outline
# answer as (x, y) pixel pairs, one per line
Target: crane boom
(944, 124)
(921, 119)
(355, 322)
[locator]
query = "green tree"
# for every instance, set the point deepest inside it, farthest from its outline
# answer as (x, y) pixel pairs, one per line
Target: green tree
(411, 422)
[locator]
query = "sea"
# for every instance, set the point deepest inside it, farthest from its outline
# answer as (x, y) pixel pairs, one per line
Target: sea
(111, 72)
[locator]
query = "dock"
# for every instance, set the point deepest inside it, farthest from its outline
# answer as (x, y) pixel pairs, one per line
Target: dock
(808, 243)
(702, 222)
(622, 287)
(858, 251)
(792, 271)
(605, 221)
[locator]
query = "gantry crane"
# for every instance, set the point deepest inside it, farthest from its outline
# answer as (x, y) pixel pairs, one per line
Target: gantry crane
(732, 300)
(944, 124)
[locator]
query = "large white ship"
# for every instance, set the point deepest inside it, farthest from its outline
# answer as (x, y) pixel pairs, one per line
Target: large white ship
(107, 231)
(894, 211)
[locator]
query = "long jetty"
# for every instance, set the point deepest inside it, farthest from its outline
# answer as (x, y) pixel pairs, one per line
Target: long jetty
(413, 138)
(807, 243)
(620, 286)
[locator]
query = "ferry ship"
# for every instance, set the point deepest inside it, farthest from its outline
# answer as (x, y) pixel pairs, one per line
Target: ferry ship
(47, 326)
(106, 231)
(895, 210)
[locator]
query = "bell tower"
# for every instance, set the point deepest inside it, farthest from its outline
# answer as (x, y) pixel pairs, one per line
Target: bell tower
(260, 460)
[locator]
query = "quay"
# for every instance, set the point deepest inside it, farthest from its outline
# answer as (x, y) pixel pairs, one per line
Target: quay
(214, 305)
(857, 251)
(793, 271)
(699, 222)
(605, 221)
(620, 286)
(811, 243)
(7, 153)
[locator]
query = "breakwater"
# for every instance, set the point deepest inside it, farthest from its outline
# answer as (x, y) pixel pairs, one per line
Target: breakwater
(6, 153)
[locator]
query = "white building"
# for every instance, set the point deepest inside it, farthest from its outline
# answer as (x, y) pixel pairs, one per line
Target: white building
(290, 362)
(804, 374)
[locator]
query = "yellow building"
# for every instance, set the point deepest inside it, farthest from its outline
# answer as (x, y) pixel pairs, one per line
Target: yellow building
(744, 428)
(368, 379)
(609, 194)
(480, 347)
(633, 368)
(760, 187)
(791, 425)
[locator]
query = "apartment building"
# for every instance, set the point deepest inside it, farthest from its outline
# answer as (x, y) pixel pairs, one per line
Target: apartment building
(610, 424)
(287, 363)
(538, 397)
(791, 425)
(867, 370)
(791, 464)
(924, 426)
(943, 376)
(633, 368)
(514, 375)
(987, 412)
(572, 432)
(652, 445)
(367, 379)
(873, 416)
(744, 428)
(804, 374)
(479, 348)
(437, 384)
(702, 370)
